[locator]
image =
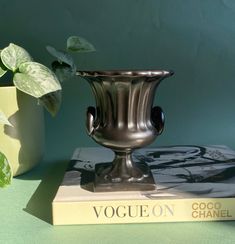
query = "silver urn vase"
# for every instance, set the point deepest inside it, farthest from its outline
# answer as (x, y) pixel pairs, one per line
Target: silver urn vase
(123, 120)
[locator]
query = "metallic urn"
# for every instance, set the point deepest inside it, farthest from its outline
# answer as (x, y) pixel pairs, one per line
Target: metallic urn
(123, 120)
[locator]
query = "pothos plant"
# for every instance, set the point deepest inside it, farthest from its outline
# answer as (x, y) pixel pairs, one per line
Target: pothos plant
(38, 81)
(5, 168)
(64, 66)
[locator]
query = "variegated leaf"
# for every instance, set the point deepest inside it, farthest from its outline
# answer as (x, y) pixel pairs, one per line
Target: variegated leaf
(36, 79)
(3, 119)
(62, 56)
(79, 44)
(63, 71)
(5, 171)
(3, 68)
(52, 102)
(13, 56)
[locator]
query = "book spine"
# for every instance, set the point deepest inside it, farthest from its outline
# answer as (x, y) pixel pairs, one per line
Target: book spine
(143, 211)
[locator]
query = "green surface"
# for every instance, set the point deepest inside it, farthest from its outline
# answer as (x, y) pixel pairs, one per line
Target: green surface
(196, 39)
(26, 218)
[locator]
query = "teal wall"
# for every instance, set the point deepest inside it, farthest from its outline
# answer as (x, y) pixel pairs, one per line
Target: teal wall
(196, 39)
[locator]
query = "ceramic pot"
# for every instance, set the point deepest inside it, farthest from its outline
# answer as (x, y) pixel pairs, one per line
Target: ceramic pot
(23, 144)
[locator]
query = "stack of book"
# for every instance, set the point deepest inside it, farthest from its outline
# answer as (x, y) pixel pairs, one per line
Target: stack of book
(194, 183)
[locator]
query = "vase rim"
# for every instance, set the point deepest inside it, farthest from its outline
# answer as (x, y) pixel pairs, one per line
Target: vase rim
(126, 73)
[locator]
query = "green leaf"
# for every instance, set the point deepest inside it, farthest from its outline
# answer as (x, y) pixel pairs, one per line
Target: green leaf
(13, 56)
(63, 71)
(79, 44)
(51, 102)
(5, 171)
(36, 79)
(62, 56)
(3, 68)
(3, 119)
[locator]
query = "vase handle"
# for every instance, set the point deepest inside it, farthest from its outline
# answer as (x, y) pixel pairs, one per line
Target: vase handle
(158, 119)
(91, 113)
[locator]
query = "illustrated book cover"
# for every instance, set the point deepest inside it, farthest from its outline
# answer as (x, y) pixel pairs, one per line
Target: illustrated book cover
(194, 183)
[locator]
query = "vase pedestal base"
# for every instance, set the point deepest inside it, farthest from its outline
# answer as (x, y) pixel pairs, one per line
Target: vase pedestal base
(105, 182)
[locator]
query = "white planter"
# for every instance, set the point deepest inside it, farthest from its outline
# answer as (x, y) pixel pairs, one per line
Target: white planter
(23, 144)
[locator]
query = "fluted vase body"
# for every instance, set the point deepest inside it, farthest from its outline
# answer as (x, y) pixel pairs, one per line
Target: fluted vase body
(124, 119)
